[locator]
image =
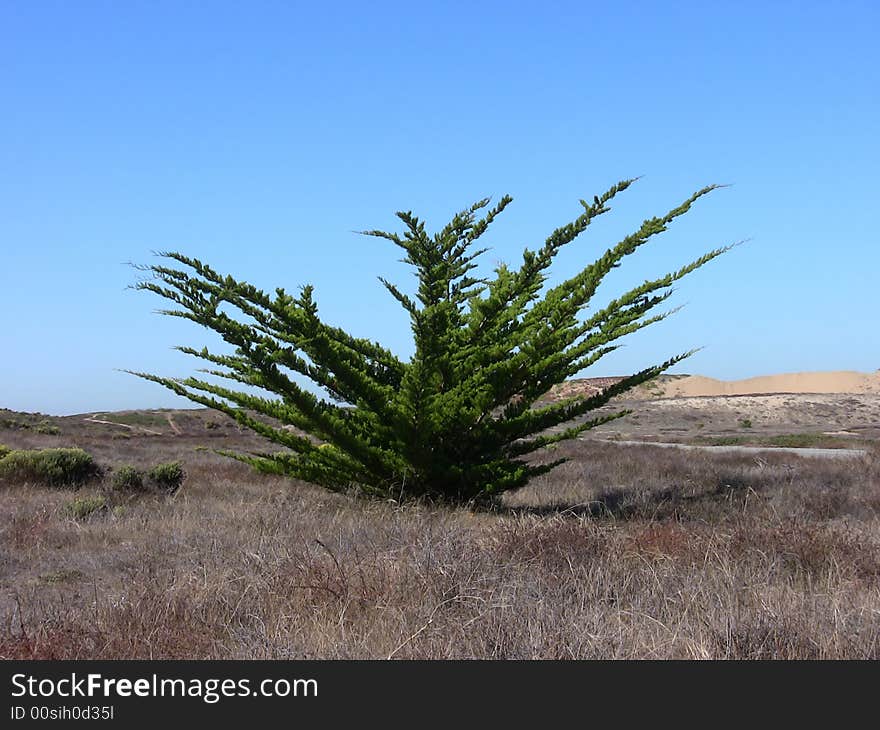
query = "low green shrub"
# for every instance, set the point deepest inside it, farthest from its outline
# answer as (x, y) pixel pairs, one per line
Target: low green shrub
(52, 467)
(805, 441)
(168, 476)
(30, 424)
(128, 479)
(83, 507)
(4, 450)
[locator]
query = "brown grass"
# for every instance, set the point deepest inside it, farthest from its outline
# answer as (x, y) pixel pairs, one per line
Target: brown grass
(623, 552)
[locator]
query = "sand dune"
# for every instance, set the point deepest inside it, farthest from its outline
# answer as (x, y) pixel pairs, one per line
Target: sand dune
(841, 381)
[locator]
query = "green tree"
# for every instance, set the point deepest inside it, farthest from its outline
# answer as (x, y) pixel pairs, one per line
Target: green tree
(458, 421)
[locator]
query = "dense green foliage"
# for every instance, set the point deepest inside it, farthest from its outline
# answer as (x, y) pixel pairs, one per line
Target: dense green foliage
(47, 429)
(128, 479)
(167, 477)
(454, 423)
(29, 423)
(51, 467)
(83, 507)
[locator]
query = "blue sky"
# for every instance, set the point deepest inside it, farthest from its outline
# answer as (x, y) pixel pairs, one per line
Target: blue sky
(258, 136)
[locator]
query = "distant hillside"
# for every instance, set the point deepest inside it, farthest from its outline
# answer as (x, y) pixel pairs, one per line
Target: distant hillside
(678, 386)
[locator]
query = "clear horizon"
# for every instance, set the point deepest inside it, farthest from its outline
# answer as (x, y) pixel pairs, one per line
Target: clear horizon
(185, 404)
(258, 139)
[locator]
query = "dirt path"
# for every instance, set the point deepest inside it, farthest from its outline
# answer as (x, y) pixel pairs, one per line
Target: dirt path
(809, 452)
(174, 426)
(95, 419)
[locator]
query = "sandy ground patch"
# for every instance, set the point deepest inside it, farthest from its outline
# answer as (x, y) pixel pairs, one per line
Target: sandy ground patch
(842, 381)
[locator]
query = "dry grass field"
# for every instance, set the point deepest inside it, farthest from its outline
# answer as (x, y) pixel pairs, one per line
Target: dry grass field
(626, 551)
